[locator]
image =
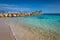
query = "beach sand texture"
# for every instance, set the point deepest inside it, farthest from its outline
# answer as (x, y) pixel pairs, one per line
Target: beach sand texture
(5, 32)
(22, 32)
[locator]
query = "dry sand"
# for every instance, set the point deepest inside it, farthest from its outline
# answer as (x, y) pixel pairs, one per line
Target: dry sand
(22, 32)
(5, 32)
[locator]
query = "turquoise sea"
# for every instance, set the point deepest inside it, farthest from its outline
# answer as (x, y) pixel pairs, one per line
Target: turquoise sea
(47, 22)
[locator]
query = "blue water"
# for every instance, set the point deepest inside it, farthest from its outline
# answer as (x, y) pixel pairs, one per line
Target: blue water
(47, 22)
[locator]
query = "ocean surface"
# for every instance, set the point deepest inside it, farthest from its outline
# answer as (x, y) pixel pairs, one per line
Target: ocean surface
(47, 22)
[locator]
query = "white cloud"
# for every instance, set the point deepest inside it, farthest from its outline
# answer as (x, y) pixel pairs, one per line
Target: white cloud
(9, 7)
(16, 9)
(6, 5)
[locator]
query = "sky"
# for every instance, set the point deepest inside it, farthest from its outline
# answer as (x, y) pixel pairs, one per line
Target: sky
(47, 6)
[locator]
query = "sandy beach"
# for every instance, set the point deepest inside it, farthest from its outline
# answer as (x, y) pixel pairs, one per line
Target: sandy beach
(22, 32)
(5, 32)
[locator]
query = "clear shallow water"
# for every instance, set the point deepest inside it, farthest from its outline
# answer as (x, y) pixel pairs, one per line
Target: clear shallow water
(46, 22)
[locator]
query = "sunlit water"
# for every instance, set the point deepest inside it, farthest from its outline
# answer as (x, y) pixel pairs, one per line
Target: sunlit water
(47, 22)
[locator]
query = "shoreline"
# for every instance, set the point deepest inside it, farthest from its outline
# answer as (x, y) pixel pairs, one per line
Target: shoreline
(28, 33)
(5, 32)
(23, 32)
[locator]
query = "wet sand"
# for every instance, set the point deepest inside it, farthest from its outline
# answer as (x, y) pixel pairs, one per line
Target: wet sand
(5, 32)
(23, 32)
